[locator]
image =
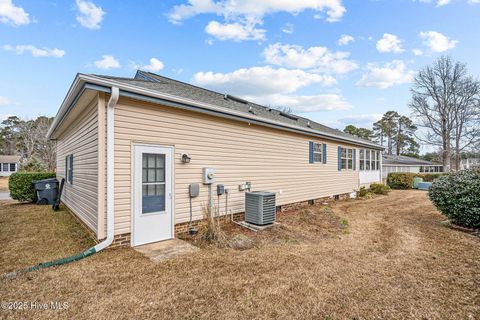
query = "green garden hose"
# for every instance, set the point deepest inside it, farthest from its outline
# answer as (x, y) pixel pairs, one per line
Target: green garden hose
(52, 263)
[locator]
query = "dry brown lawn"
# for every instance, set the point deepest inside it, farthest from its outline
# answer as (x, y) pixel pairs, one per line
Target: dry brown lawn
(395, 260)
(3, 183)
(31, 234)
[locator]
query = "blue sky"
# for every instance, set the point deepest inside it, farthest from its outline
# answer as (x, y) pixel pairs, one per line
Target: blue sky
(337, 62)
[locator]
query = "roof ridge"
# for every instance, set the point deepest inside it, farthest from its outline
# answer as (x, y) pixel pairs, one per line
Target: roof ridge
(248, 101)
(115, 77)
(154, 79)
(209, 90)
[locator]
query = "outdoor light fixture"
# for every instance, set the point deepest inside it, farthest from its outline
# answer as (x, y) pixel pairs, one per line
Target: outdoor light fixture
(185, 158)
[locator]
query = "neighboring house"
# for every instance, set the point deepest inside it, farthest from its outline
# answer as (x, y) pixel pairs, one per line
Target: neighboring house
(130, 148)
(469, 163)
(392, 163)
(9, 165)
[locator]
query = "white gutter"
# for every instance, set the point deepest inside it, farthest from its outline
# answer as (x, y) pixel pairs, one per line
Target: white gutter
(172, 98)
(115, 94)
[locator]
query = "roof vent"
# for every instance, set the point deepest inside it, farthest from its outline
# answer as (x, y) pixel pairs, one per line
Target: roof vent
(309, 124)
(288, 115)
(236, 99)
(250, 109)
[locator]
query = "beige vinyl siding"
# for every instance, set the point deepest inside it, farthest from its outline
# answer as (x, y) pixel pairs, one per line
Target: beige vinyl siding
(271, 159)
(81, 140)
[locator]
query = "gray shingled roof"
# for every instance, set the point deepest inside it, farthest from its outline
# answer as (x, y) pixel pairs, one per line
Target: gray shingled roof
(404, 160)
(177, 88)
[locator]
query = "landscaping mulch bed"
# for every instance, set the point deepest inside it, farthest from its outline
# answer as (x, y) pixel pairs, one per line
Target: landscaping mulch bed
(303, 224)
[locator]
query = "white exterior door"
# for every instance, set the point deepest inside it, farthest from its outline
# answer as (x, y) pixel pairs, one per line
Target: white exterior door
(152, 194)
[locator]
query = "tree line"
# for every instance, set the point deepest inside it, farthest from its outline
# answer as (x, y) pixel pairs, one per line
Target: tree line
(445, 111)
(28, 138)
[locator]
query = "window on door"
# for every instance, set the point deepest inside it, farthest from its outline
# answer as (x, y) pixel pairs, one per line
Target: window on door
(153, 182)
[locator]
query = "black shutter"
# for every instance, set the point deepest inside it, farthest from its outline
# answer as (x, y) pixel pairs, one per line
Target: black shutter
(324, 153)
(339, 158)
(310, 155)
(71, 169)
(354, 159)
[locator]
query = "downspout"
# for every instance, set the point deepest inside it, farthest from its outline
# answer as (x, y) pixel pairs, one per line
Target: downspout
(112, 102)
(110, 198)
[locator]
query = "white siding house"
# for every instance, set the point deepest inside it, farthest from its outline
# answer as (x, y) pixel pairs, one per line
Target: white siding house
(393, 163)
(122, 145)
(9, 165)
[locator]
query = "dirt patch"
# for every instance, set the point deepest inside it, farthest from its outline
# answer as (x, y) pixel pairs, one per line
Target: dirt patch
(302, 225)
(397, 261)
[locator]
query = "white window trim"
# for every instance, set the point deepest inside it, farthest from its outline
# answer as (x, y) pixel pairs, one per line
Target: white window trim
(315, 144)
(346, 158)
(373, 160)
(69, 166)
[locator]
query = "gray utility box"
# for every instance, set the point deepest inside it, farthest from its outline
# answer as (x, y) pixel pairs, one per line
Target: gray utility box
(47, 190)
(260, 207)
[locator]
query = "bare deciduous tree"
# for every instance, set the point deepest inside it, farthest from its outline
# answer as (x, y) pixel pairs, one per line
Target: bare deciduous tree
(467, 117)
(45, 149)
(443, 96)
(29, 140)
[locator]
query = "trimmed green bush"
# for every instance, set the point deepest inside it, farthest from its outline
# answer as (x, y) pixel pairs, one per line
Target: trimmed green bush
(363, 192)
(404, 180)
(379, 188)
(400, 180)
(429, 177)
(457, 196)
(20, 184)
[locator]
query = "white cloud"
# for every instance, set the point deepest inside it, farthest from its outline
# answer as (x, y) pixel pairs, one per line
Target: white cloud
(304, 103)
(90, 16)
(288, 28)
(389, 43)
(13, 15)
(361, 118)
(345, 39)
(34, 51)
(107, 62)
(390, 74)
(4, 101)
(441, 3)
(417, 52)
(235, 31)
(436, 41)
(242, 17)
(318, 58)
(275, 87)
(154, 66)
(260, 80)
(254, 8)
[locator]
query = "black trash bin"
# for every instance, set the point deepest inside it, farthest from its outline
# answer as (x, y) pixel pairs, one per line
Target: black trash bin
(47, 190)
